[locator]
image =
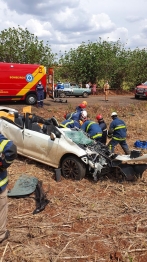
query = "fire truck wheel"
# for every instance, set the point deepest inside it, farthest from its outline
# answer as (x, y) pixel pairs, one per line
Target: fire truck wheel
(31, 99)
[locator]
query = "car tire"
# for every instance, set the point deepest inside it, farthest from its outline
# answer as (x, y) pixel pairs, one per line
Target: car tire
(85, 94)
(31, 99)
(62, 95)
(73, 168)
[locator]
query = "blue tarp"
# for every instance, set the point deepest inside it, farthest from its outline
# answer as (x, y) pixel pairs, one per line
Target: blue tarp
(140, 144)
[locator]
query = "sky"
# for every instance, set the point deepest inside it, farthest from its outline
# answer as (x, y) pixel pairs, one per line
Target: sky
(66, 24)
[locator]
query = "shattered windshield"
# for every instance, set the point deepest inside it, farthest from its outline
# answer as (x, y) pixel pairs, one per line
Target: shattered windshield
(78, 137)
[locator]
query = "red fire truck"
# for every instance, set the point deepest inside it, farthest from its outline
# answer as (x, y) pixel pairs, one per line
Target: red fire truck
(18, 81)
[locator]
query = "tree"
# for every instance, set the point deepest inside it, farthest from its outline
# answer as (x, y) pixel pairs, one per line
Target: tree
(104, 60)
(95, 62)
(20, 46)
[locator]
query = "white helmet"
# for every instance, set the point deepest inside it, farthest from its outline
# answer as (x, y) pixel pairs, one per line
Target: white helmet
(83, 114)
(114, 114)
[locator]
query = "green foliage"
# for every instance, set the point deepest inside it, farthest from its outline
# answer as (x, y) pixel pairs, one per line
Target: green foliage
(94, 62)
(103, 60)
(20, 46)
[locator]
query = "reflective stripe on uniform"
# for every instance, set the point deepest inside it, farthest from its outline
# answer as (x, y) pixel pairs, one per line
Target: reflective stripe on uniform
(119, 127)
(110, 147)
(3, 182)
(70, 116)
(89, 126)
(9, 162)
(97, 135)
(119, 139)
(71, 122)
(3, 144)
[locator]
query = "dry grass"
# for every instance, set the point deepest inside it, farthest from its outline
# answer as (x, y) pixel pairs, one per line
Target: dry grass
(84, 221)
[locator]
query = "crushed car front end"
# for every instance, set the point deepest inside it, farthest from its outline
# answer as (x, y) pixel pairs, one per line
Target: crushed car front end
(103, 164)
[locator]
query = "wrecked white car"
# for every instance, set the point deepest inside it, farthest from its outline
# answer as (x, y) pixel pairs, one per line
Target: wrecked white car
(71, 150)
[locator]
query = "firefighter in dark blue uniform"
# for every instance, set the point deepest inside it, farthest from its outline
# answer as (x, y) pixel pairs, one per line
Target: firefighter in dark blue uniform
(103, 126)
(118, 132)
(70, 123)
(76, 115)
(40, 94)
(91, 128)
(8, 152)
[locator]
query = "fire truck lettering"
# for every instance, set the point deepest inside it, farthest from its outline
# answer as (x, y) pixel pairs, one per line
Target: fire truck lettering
(17, 77)
(3, 92)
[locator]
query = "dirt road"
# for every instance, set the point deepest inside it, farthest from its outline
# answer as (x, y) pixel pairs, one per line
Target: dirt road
(97, 102)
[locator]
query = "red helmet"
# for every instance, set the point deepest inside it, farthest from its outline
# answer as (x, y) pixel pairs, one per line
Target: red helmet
(82, 105)
(99, 117)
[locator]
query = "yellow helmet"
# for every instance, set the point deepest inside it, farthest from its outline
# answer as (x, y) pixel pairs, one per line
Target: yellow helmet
(85, 103)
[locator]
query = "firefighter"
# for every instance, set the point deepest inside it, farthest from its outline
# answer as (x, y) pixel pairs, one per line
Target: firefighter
(40, 94)
(76, 115)
(70, 123)
(103, 126)
(8, 153)
(91, 127)
(81, 107)
(117, 132)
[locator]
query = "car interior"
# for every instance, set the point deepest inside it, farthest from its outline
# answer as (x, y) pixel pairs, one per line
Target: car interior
(39, 124)
(34, 122)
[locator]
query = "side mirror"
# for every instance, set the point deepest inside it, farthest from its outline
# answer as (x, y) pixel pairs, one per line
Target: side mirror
(52, 136)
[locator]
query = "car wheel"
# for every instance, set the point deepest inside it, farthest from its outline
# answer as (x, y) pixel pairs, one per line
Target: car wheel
(72, 167)
(62, 95)
(31, 99)
(85, 94)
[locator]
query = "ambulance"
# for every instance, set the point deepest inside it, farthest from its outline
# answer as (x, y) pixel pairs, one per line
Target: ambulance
(18, 81)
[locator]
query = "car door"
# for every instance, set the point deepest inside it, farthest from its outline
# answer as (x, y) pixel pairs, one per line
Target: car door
(14, 133)
(77, 91)
(40, 147)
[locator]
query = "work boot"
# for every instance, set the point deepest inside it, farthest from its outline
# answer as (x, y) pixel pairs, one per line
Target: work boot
(7, 234)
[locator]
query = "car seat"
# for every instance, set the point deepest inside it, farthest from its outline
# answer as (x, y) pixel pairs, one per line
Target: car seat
(18, 119)
(34, 124)
(36, 127)
(28, 121)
